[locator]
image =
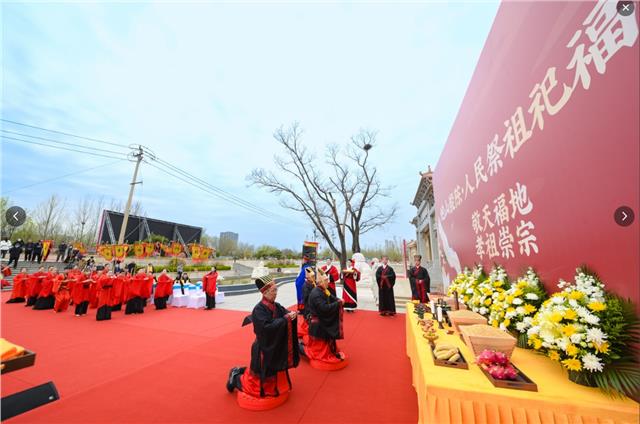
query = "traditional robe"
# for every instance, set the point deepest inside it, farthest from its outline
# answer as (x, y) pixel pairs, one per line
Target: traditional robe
(209, 285)
(334, 276)
(46, 299)
(164, 288)
(105, 287)
(62, 294)
(325, 327)
(135, 302)
(420, 284)
(93, 290)
(146, 288)
(274, 351)
(300, 283)
(303, 321)
(116, 292)
(349, 293)
(34, 284)
(80, 293)
(19, 290)
(386, 279)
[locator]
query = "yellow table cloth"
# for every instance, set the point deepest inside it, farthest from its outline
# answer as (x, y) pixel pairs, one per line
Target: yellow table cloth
(448, 395)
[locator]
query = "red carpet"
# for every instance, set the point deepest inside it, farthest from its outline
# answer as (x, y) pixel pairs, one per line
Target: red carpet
(171, 366)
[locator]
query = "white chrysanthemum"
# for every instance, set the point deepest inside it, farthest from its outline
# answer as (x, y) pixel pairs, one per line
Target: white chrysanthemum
(533, 330)
(591, 362)
(548, 338)
(531, 296)
(517, 301)
(573, 303)
(510, 315)
(558, 300)
(520, 310)
(521, 326)
(483, 311)
(594, 334)
(591, 319)
(576, 338)
(563, 343)
(528, 320)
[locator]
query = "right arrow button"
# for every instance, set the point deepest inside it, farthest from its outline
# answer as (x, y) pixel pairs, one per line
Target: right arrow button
(624, 216)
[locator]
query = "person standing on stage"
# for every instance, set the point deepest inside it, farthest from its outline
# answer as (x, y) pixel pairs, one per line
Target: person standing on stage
(19, 290)
(350, 277)
(325, 324)
(34, 284)
(46, 299)
(184, 279)
(80, 293)
(134, 301)
(274, 350)
(303, 313)
(61, 291)
(386, 279)
(116, 291)
(105, 286)
(419, 280)
(301, 279)
(164, 288)
(333, 273)
(209, 286)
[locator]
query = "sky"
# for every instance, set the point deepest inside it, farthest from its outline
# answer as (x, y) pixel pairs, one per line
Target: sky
(205, 85)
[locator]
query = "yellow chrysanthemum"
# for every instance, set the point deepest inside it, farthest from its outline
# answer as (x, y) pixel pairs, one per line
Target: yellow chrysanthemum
(568, 330)
(465, 299)
(602, 347)
(554, 355)
(511, 309)
(528, 308)
(507, 322)
(572, 364)
(487, 302)
(494, 323)
(576, 295)
(517, 293)
(572, 350)
(510, 299)
(555, 317)
(537, 344)
(597, 306)
(570, 314)
(521, 284)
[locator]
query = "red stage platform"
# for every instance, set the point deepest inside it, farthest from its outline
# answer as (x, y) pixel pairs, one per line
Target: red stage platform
(171, 366)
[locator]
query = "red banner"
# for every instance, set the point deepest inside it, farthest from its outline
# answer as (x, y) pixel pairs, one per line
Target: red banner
(46, 245)
(545, 148)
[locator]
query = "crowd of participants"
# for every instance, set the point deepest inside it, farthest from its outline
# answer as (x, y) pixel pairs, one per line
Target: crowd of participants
(104, 290)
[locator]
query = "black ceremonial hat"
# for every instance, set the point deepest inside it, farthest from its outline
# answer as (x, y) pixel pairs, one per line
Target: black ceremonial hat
(264, 283)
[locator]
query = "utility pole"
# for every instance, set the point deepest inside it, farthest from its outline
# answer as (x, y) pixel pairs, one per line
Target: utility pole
(123, 229)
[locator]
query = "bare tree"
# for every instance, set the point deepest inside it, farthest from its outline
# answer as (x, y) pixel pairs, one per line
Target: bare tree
(336, 204)
(48, 216)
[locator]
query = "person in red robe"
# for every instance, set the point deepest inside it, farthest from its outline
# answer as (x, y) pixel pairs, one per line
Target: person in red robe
(134, 302)
(117, 292)
(164, 288)
(325, 326)
(209, 286)
(34, 284)
(350, 277)
(333, 273)
(19, 290)
(93, 289)
(146, 289)
(46, 299)
(105, 286)
(80, 293)
(61, 291)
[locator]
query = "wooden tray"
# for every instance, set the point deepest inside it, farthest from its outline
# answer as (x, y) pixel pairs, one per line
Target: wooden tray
(522, 383)
(461, 365)
(27, 359)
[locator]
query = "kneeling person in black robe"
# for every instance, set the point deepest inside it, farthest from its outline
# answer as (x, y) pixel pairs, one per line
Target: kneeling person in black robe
(273, 352)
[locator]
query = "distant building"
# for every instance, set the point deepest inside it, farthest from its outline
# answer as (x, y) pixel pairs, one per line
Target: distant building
(227, 243)
(426, 243)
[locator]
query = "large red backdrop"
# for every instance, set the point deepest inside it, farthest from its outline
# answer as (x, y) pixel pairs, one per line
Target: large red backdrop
(545, 148)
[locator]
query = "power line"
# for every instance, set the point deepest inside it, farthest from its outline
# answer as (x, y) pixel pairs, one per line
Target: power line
(211, 192)
(64, 176)
(219, 190)
(97, 140)
(61, 142)
(59, 147)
